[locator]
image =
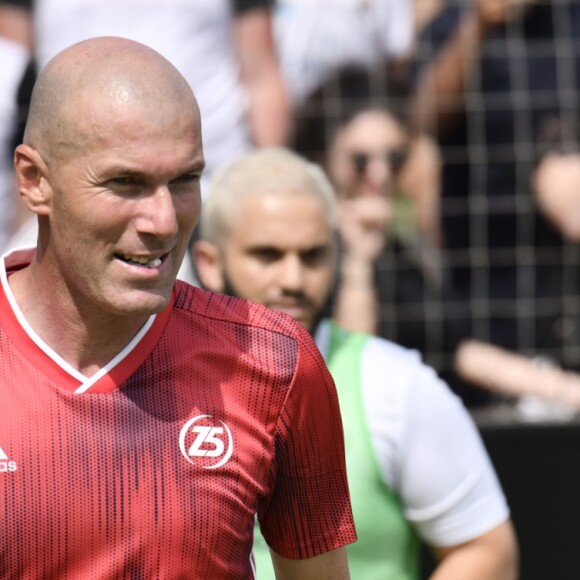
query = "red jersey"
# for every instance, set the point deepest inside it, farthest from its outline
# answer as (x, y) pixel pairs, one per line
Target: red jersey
(156, 467)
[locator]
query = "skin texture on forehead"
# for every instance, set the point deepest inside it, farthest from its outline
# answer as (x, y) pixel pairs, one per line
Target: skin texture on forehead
(79, 90)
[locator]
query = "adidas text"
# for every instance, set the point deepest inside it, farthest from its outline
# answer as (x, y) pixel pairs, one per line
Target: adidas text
(6, 466)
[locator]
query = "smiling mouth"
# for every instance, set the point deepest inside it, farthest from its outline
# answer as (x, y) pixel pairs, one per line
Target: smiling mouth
(140, 261)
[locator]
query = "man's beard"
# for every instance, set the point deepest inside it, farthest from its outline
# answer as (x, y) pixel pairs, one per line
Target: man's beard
(230, 290)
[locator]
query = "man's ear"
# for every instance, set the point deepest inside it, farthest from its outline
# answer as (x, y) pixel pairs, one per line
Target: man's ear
(207, 263)
(31, 179)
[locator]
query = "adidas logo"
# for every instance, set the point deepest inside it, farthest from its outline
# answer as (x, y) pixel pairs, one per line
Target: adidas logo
(5, 464)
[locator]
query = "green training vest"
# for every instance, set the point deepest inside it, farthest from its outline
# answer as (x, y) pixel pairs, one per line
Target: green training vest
(387, 546)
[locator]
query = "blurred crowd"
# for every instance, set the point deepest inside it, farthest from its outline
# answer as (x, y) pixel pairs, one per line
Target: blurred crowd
(449, 130)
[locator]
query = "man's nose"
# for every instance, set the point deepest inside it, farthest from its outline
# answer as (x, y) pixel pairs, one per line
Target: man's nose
(292, 273)
(157, 214)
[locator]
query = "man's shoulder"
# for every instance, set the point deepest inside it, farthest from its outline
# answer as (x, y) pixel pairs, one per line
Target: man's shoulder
(384, 358)
(403, 366)
(384, 347)
(381, 348)
(209, 305)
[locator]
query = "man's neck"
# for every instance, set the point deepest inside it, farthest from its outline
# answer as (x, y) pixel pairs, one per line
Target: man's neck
(85, 340)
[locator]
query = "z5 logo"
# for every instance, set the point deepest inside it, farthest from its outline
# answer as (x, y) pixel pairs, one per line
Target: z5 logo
(198, 439)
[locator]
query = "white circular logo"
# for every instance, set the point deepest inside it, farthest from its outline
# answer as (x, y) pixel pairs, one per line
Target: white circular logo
(208, 441)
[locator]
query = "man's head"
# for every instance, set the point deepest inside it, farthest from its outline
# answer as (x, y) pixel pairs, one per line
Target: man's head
(111, 162)
(267, 233)
(366, 154)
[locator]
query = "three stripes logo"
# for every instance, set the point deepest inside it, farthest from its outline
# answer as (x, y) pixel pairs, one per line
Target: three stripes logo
(6, 465)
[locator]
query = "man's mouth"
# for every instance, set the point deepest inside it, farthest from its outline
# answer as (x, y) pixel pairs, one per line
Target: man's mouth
(141, 261)
(296, 310)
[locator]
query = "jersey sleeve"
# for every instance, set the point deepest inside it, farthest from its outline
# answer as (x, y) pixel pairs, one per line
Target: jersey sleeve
(309, 510)
(448, 485)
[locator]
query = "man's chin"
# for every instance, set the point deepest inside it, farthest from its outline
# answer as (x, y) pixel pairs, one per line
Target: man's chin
(142, 303)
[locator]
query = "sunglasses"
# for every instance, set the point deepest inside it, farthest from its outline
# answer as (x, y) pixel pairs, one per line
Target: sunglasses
(394, 158)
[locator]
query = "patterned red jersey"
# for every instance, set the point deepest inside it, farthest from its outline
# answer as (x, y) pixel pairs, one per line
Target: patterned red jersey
(155, 467)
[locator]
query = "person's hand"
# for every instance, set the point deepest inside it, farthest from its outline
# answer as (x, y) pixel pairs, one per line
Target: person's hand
(556, 184)
(363, 226)
(420, 180)
(494, 12)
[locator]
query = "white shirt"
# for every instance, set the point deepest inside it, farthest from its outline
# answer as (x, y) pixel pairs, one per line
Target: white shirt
(427, 445)
(316, 37)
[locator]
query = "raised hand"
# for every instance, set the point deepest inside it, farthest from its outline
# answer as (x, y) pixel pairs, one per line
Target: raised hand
(363, 224)
(494, 12)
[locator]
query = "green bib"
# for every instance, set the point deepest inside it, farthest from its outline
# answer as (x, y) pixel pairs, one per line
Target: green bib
(387, 547)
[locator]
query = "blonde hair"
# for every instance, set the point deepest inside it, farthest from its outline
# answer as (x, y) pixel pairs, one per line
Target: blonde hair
(277, 171)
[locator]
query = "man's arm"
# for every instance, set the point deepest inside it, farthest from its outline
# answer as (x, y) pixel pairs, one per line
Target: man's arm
(328, 566)
(268, 101)
(454, 500)
(492, 556)
(440, 91)
(512, 374)
(16, 23)
(308, 517)
(363, 230)
(555, 184)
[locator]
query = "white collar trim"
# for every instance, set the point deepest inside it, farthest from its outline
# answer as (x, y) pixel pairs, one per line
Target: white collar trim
(21, 255)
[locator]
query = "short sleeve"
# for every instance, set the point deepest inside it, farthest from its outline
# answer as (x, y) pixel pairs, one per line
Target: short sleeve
(448, 485)
(309, 512)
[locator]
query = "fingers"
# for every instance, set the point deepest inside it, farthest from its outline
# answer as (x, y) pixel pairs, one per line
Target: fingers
(495, 12)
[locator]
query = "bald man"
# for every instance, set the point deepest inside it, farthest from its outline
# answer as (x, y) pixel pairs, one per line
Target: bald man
(145, 423)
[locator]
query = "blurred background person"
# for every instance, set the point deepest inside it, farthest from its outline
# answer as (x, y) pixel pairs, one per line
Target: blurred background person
(523, 379)
(424, 11)
(392, 278)
(370, 153)
(14, 56)
(493, 79)
(318, 41)
(416, 465)
(318, 38)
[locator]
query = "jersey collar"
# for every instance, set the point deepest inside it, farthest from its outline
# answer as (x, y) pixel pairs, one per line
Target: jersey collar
(50, 363)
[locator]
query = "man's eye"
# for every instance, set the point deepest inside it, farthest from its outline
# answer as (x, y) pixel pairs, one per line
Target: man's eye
(122, 181)
(267, 254)
(187, 179)
(315, 256)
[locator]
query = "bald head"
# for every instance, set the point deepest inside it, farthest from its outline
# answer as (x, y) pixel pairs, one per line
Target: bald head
(95, 79)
